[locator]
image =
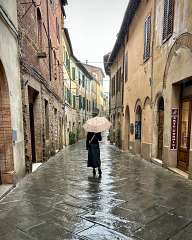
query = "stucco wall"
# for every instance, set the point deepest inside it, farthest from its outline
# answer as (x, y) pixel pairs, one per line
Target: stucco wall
(10, 61)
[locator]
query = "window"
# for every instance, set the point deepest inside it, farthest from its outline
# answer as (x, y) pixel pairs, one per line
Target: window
(87, 105)
(39, 28)
(73, 73)
(84, 102)
(113, 86)
(117, 80)
(57, 29)
(119, 87)
(55, 65)
(68, 96)
(147, 38)
(80, 102)
(74, 101)
(67, 61)
(58, 70)
(126, 67)
(168, 19)
(79, 78)
(83, 81)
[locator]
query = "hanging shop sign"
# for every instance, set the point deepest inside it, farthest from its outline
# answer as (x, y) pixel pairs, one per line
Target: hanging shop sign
(174, 123)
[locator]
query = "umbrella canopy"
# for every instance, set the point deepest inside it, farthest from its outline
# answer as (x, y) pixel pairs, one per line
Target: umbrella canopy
(97, 124)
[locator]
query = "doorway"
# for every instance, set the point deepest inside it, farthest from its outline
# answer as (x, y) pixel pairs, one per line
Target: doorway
(6, 147)
(185, 126)
(138, 126)
(127, 129)
(184, 134)
(32, 95)
(160, 128)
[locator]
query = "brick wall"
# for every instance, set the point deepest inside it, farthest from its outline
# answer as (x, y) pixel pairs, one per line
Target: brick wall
(39, 34)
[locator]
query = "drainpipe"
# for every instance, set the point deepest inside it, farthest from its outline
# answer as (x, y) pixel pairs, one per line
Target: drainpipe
(152, 68)
(49, 41)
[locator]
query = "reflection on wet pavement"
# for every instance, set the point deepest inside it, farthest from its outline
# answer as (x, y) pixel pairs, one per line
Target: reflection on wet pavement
(133, 200)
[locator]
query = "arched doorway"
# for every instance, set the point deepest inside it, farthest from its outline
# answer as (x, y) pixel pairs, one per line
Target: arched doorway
(160, 125)
(118, 130)
(138, 126)
(6, 148)
(127, 129)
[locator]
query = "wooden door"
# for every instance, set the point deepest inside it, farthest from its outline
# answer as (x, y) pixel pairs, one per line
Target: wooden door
(160, 135)
(184, 135)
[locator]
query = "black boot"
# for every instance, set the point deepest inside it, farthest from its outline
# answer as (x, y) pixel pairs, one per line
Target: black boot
(94, 172)
(100, 172)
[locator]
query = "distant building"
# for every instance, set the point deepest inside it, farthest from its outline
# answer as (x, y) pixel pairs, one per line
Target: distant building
(77, 92)
(98, 75)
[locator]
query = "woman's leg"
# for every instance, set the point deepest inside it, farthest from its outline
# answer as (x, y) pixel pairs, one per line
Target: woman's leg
(99, 170)
(94, 172)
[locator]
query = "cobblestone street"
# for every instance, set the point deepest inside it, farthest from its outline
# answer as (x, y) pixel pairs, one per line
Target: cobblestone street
(134, 199)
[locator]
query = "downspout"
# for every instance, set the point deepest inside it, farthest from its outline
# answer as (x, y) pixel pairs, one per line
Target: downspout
(49, 41)
(152, 70)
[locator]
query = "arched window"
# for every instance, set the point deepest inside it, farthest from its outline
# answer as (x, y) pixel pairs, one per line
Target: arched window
(39, 28)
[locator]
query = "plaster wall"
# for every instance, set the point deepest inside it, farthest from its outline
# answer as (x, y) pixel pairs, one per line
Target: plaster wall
(9, 57)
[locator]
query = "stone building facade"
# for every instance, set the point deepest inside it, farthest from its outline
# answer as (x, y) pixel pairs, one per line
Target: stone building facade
(98, 75)
(11, 127)
(77, 92)
(154, 50)
(42, 84)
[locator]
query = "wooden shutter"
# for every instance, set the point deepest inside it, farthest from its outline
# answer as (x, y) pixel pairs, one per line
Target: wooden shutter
(147, 38)
(126, 67)
(120, 79)
(168, 19)
(117, 79)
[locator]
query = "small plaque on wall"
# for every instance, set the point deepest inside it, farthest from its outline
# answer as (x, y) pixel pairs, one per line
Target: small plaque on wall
(174, 123)
(14, 135)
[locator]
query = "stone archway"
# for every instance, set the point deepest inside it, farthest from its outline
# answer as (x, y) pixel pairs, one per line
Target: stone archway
(6, 147)
(127, 129)
(181, 47)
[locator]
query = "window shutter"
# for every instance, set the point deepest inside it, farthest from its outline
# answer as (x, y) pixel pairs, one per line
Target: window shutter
(168, 19)
(147, 38)
(126, 66)
(117, 79)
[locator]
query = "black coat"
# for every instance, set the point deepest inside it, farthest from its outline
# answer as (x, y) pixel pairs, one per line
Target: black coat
(93, 149)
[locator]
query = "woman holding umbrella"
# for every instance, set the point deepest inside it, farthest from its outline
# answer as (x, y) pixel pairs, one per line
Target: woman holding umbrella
(92, 145)
(94, 127)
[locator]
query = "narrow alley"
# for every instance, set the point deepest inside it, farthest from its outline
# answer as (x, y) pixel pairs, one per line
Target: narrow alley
(134, 199)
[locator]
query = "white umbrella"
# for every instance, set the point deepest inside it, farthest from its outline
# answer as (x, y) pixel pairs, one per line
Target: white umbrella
(97, 124)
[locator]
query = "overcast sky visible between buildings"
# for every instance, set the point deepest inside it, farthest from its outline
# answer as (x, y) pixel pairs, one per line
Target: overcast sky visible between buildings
(93, 27)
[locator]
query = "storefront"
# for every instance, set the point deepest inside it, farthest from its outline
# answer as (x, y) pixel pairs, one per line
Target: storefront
(185, 126)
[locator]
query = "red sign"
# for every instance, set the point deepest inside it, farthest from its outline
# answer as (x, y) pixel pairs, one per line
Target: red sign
(174, 123)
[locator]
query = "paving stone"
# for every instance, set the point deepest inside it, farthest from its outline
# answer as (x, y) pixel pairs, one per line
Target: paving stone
(68, 221)
(162, 228)
(114, 222)
(17, 235)
(142, 216)
(50, 231)
(102, 233)
(185, 234)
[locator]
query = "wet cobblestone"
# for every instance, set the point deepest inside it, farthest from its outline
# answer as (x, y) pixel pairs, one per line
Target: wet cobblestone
(134, 200)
